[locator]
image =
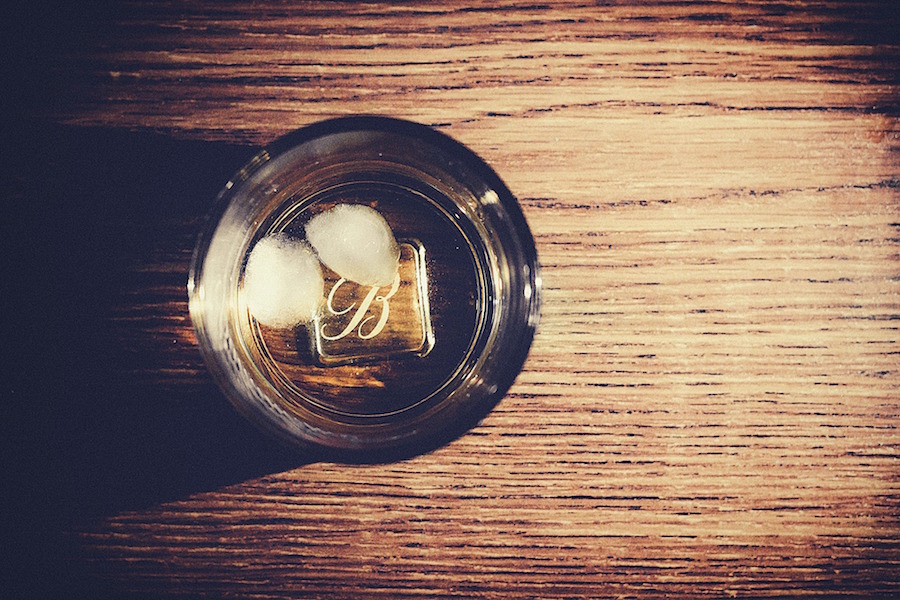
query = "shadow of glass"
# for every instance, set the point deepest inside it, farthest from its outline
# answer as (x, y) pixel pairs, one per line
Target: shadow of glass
(108, 405)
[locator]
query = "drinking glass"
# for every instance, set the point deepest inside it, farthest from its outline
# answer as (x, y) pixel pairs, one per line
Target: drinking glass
(380, 372)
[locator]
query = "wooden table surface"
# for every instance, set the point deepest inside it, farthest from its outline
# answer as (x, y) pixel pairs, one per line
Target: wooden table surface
(710, 407)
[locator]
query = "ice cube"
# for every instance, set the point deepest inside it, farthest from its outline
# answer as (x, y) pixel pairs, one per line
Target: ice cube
(355, 241)
(283, 283)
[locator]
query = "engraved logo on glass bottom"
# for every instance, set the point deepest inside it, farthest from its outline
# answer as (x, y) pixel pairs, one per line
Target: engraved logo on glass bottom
(360, 323)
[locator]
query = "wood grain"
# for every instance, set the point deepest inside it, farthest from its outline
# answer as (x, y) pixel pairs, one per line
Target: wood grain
(710, 408)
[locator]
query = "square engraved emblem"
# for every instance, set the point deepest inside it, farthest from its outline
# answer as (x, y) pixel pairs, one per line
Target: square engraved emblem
(361, 323)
